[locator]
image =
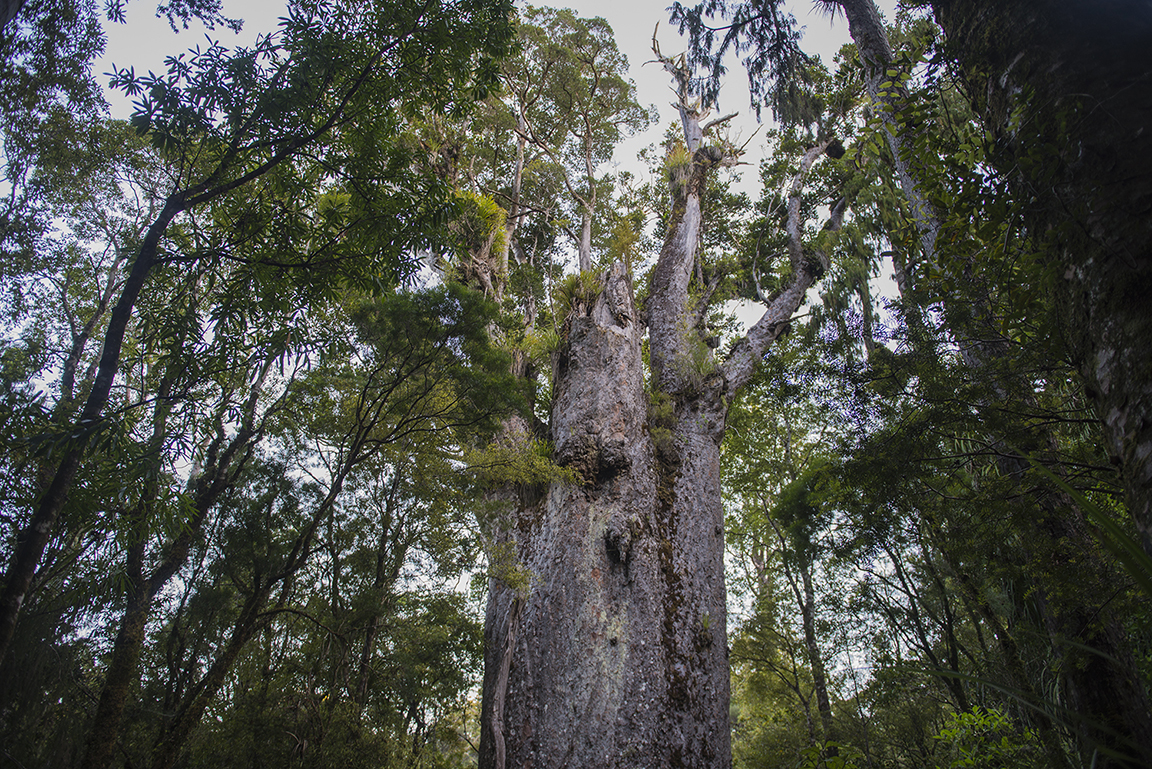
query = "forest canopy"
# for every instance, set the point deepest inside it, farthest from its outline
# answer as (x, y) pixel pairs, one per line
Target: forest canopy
(357, 411)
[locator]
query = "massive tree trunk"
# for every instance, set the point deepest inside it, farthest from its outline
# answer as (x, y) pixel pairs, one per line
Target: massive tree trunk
(606, 639)
(1066, 87)
(617, 641)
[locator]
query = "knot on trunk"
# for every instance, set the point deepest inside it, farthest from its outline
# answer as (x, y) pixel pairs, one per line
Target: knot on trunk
(618, 538)
(596, 458)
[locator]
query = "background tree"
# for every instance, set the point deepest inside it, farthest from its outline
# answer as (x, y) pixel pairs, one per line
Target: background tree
(937, 241)
(229, 121)
(1091, 216)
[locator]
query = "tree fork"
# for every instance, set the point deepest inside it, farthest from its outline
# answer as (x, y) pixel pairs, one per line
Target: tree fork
(617, 655)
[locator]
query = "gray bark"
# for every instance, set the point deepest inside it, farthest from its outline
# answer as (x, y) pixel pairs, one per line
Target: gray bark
(617, 644)
(614, 653)
(585, 254)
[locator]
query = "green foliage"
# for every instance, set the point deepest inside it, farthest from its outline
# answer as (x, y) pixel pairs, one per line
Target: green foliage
(927, 526)
(661, 421)
(480, 225)
(267, 346)
(772, 57)
(539, 344)
(279, 460)
(48, 102)
(624, 237)
(524, 464)
(695, 362)
(677, 169)
(506, 568)
(830, 755)
(568, 94)
(987, 739)
(1117, 540)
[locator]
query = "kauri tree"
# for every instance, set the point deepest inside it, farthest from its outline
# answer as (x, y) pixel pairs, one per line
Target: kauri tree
(606, 624)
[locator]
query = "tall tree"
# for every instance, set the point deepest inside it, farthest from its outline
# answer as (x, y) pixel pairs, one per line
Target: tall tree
(974, 325)
(331, 78)
(609, 648)
(571, 102)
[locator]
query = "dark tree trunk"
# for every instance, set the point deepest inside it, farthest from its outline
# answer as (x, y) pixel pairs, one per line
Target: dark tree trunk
(33, 538)
(179, 728)
(805, 596)
(819, 679)
(1066, 88)
(123, 673)
(1103, 686)
(222, 468)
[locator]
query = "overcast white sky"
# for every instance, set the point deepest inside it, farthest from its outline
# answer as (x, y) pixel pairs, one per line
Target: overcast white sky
(145, 41)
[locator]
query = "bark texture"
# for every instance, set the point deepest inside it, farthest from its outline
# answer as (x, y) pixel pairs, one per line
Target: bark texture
(617, 643)
(867, 30)
(609, 647)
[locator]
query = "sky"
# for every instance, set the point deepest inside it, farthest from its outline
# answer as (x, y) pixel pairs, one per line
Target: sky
(145, 41)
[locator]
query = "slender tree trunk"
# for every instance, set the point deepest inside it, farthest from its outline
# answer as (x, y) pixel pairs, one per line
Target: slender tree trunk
(1018, 677)
(123, 673)
(81, 336)
(819, 679)
(585, 255)
(32, 540)
(871, 40)
(388, 565)
(179, 728)
(866, 330)
(805, 597)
